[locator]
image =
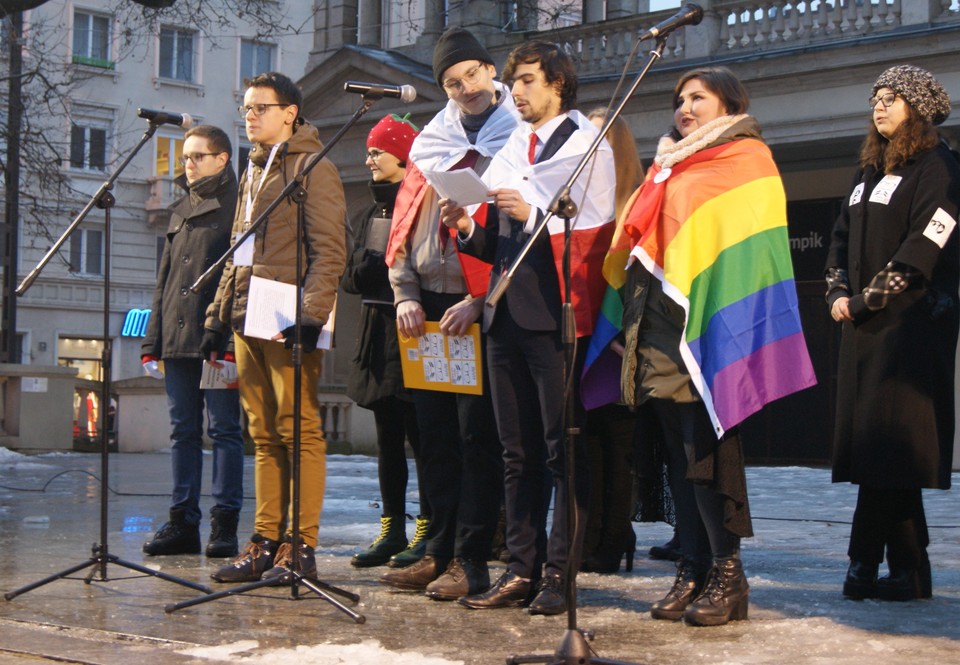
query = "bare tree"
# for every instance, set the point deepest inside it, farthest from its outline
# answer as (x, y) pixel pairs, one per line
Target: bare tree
(38, 96)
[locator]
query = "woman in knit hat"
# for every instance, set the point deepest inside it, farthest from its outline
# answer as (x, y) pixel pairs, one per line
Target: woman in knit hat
(892, 276)
(376, 379)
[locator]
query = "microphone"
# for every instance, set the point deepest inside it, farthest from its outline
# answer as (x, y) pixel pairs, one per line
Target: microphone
(689, 14)
(164, 118)
(405, 93)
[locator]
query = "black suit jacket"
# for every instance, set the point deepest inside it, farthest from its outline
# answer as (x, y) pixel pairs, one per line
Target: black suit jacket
(533, 297)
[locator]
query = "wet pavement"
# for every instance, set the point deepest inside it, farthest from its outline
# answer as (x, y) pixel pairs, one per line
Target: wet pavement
(50, 517)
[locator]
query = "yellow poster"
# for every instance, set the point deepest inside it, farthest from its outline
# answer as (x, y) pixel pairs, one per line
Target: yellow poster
(441, 362)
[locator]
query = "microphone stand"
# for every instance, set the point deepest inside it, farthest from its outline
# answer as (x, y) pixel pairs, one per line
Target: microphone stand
(295, 577)
(574, 648)
(100, 555)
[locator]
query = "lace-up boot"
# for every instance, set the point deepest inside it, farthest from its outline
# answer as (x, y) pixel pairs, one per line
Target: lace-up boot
(223, 533)
(255, 558)
(686, 587)
(416, 548)
(392, 540)
(725, 596)
(175, 536)
(283, 563)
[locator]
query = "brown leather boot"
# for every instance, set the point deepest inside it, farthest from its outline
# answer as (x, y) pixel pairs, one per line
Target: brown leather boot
(686, 587)
(417, 576)
(725, 596)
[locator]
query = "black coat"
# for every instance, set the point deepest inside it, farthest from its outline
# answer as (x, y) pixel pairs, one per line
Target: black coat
(375, 370)
(895, 392)
(198, 235)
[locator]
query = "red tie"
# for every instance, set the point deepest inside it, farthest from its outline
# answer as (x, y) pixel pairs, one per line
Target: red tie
(532, 152)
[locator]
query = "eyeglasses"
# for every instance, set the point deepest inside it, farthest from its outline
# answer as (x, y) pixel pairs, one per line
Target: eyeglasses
(887, 100)
(258, 109)
(195, 157)
(375, 154)
(472, 77)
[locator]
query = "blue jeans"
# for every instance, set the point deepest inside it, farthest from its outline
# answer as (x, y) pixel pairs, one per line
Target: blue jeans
(186, 402)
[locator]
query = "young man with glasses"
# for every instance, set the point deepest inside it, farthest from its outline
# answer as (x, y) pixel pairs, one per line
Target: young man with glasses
(461, 456)
(283, 143)
(197, 235)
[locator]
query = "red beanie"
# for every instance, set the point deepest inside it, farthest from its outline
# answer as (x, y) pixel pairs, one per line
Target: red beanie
(393, 134)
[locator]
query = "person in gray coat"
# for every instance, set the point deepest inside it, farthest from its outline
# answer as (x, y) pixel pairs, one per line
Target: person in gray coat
(198, 234)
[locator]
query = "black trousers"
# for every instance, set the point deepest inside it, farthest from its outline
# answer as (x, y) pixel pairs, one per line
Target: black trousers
(462, 462)
(396, 421)
(891, 520)
(699, 507)
(526, 375)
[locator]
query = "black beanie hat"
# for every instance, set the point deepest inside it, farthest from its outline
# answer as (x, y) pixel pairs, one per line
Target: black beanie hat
(457, 45)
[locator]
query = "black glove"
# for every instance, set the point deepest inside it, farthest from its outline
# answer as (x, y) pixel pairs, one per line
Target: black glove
(212, 341)
(308, 337)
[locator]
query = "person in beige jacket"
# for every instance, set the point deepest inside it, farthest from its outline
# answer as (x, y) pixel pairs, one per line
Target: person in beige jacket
(283, 143)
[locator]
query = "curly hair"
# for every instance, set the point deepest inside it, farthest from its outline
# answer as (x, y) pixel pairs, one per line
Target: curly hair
(556, 65)
(915, 134)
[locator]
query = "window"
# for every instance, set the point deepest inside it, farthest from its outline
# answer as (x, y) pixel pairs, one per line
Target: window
(169, 150)
(86, 252)
(243, 156)
(177, 51)
(255, 58)
(91, 40)
(88, 147)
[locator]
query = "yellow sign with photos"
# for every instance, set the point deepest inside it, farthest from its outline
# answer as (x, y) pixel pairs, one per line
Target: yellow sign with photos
(449, 363)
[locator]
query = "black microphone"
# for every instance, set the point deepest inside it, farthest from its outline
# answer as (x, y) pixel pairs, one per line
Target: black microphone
(405, 93)
(164, 118)
(689, 14)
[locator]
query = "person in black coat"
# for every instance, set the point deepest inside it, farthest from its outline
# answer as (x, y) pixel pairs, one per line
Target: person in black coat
(892, 275)
(376, 378)
(198, 235)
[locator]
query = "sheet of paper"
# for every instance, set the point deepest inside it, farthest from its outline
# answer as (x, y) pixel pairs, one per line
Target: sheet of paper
(214, 378)
(463, 186)
(271, 306)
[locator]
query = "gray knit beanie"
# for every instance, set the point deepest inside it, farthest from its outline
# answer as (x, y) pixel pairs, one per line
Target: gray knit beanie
(457, 45)
(922, 91)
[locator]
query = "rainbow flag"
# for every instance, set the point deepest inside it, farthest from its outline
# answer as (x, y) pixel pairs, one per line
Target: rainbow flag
(722, 252)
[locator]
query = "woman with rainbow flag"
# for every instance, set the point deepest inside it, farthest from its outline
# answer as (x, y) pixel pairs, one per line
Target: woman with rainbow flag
(892, 276)
(711, 326)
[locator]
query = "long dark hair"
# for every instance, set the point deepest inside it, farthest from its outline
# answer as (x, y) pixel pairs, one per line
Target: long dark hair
(914, 135)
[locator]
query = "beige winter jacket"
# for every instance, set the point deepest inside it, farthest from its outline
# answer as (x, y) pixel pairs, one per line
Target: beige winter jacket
(275, 241)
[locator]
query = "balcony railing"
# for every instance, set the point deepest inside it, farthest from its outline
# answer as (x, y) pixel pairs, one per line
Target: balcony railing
(744, 26)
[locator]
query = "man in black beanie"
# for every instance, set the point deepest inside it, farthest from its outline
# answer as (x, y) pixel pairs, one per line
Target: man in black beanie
(461, 456)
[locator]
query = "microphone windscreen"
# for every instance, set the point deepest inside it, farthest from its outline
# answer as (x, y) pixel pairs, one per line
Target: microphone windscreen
(187, 121)
(407, 93)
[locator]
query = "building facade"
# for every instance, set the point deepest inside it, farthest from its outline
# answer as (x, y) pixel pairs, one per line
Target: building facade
(102, 61)
(808, 66)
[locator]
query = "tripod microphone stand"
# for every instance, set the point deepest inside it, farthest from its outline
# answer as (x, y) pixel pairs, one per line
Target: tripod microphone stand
(101, 555)
(573, 648)
(295, 577)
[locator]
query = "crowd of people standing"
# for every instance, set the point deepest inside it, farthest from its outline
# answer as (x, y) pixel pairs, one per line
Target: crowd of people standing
(641, 332)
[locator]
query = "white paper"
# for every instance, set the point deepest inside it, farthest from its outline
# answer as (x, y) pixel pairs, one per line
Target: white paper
(463, 186)
(271, 306)
(215, 378)
(244, 254)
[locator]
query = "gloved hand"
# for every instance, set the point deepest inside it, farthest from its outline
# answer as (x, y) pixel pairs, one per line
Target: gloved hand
(308, 337)
(211, 342)
(151, 366)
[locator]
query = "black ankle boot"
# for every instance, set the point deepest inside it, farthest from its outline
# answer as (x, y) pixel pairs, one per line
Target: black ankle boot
(861, 580)
(725, 597)
(686, 587)
(175, 536)
(223, 533)
(904, 584)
